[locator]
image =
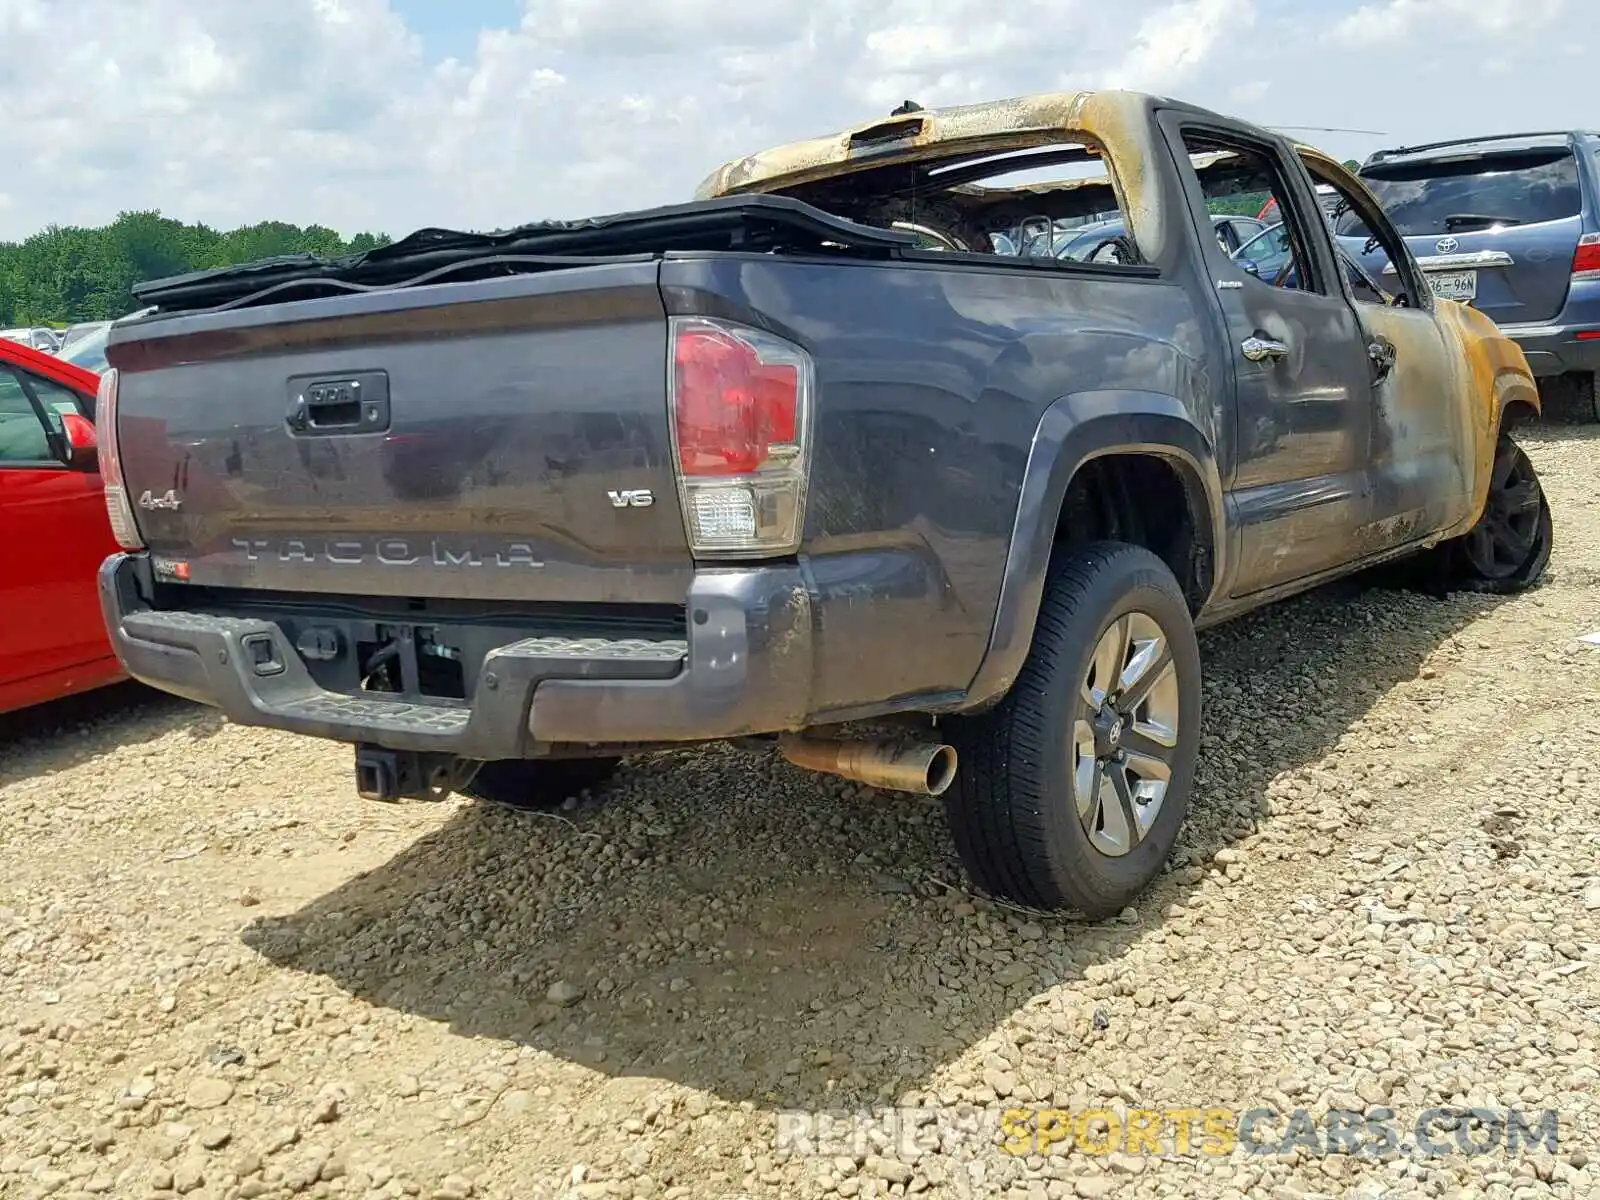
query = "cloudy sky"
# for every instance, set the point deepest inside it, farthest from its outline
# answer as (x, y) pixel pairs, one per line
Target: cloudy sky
(392, 114)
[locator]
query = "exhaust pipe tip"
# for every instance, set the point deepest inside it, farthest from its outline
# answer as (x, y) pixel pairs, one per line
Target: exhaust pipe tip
(926, 769)
(941, 772)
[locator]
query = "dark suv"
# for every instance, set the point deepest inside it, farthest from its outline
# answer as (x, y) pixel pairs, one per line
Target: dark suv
(1511, 225)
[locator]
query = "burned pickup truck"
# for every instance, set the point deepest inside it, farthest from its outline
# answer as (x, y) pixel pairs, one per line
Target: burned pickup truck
(810, 454)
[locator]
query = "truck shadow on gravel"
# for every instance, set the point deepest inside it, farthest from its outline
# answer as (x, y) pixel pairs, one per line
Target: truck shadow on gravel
(69, 732)
(789, 941)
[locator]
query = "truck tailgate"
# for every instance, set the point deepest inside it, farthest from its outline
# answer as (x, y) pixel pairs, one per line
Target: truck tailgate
(512, 432)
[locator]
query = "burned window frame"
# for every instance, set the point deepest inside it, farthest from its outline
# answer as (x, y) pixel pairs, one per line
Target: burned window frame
(945, 193)
(1314, 271)
(1356, 198)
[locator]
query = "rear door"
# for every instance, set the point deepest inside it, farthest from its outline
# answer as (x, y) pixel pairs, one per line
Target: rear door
(1494, 225)
(1303, 388)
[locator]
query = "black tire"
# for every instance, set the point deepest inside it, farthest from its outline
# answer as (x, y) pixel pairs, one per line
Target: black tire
(537, 785)
(1012, 810)
(1508, 550)
(1569, 399)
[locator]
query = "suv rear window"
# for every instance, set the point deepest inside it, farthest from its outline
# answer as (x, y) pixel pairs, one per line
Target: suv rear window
(1455, 195)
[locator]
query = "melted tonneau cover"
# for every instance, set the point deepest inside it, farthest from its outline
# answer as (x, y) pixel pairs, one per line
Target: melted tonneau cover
(752, 222)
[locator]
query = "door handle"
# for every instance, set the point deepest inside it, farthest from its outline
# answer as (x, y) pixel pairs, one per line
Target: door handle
(1259, 349)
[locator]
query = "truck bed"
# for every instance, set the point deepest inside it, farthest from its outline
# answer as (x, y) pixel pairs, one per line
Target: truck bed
(439, 255)
(521, 480)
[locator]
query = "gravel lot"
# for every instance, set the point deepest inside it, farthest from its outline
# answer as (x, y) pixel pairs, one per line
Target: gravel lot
(222, 975)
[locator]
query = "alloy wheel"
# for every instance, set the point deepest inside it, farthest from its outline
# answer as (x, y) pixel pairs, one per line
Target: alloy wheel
(1125, 734)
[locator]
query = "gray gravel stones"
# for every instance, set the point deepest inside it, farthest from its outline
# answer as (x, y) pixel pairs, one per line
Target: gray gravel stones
(564, 993)
(1388, 894)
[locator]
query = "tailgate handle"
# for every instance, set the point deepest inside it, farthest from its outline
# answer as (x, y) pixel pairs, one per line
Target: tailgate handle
(355, 403)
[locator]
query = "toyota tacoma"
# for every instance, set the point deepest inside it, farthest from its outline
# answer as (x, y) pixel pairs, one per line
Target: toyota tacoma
(819, 459)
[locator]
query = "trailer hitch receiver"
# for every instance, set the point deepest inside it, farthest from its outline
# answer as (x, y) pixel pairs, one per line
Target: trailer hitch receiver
(393, 775)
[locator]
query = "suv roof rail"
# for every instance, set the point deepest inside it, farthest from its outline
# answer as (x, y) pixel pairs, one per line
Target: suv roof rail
(1380, 155)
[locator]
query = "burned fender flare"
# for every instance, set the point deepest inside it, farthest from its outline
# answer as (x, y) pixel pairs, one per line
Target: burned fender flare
(1073, 431)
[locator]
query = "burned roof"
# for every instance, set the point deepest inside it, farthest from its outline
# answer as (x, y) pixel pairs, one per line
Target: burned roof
(918, 164)
(910, 155)
(1021, 123)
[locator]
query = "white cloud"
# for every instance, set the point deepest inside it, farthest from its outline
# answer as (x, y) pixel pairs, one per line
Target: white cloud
(1174, 40)
(1393, 19)
(337, 111)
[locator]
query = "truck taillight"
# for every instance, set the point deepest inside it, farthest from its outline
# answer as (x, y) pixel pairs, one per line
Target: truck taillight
(123, 526)
(1586, 262)
(741, 414)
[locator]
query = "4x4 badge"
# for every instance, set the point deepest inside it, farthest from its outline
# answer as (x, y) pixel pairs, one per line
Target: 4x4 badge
(170, 500)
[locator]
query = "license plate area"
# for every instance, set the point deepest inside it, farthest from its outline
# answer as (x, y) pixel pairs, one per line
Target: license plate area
(395, 658)
(410, 660)
(1454, 285)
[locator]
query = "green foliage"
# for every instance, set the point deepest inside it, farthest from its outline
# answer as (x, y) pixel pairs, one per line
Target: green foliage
(1246, 204)
(68, 273)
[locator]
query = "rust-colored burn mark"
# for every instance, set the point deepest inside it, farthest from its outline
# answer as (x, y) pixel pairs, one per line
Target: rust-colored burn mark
(1491, 372)
(1111, 125)
(1499, 378)
(1002, 125)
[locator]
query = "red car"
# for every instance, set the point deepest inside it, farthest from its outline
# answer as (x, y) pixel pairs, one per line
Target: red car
(54, 529)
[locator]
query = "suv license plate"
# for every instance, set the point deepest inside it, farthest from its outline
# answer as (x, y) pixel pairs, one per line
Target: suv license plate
(1454, 285)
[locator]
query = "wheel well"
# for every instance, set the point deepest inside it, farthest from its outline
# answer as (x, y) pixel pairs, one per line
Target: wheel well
(1147, 500)
(1518, 412)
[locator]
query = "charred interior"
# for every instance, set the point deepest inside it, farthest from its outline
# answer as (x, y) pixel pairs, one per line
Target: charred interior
(960, 195)
(973, 201)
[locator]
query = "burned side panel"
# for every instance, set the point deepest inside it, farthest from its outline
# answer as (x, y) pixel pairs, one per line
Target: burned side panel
(1422, 434)
(1438, 417)
(932, 380)
(1455, 377)
(1495, 378)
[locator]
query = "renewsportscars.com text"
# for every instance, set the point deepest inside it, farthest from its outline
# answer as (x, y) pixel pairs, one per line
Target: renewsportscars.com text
(1213, 1131)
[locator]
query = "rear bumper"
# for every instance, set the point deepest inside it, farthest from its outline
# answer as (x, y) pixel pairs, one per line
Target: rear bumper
(745, 667)
(1557, 349)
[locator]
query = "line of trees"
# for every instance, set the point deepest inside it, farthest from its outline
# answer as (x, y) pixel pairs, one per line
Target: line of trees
(69, 273)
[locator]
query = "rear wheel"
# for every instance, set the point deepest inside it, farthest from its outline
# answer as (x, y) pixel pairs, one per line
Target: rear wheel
(1071, 790)
(534, 785)
(1509, 548)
